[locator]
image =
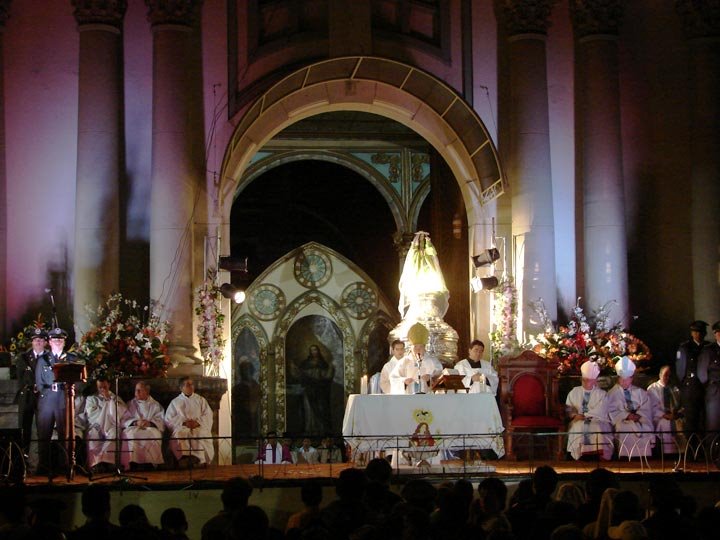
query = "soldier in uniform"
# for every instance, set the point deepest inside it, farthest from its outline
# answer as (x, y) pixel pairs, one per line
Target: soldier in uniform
(708, 372)
(51, 399)
(27, 400)
(691, 389)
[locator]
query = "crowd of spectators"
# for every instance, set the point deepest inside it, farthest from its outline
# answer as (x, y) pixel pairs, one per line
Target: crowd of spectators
(365, 508)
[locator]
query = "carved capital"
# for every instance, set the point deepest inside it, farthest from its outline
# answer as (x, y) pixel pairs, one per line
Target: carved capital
(701, 18)
(182, 12)
(4, 12)
(524, 16)
(593, 17)
(100, 11)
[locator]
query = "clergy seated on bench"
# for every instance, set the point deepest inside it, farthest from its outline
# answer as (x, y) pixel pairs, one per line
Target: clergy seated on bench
(99, 420)
(189, 420)
(143, 425)
(307, 454)
(272, 451)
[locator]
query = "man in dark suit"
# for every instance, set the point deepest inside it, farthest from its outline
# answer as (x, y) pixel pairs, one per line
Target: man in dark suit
(51, 399)
(27, 398)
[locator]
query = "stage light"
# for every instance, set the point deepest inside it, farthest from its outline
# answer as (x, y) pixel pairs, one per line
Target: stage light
(488, 256)
(233, 264)
(483, 284)
(232, 292)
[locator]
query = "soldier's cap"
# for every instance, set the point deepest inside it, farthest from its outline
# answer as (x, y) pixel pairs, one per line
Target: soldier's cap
(57, 333)
(716, 326)
(38, 333)
(699, 326)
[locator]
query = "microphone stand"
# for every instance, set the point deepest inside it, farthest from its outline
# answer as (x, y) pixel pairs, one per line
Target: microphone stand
(54, 309)
(118, 473)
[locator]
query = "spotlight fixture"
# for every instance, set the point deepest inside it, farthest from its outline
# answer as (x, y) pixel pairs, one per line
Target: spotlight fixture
(232, 292)
(233, 264)
(483, 283)
(488, 256)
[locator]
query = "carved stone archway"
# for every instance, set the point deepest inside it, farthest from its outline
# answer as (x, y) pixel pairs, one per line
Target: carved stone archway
(381, 86)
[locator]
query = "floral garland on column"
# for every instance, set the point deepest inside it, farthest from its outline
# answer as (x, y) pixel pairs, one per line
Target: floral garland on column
(208, 307)
(504, 318)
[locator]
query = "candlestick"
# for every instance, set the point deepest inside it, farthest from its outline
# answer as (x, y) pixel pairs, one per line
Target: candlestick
(364, 384)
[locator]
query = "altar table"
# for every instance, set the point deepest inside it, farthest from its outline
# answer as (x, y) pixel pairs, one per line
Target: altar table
(442, 421)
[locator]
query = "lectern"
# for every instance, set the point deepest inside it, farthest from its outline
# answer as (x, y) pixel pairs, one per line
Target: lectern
(69, 373)
(447, 382)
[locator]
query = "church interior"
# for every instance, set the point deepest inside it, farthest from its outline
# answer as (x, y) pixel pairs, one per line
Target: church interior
(294, 149)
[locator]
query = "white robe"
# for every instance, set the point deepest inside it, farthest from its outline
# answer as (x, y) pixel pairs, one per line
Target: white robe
(309, 456)
(592, 436)
(101, 418)
(407, 369)
(143, 445)
(467, 371)
(385, 384)
(670, 432)
(634, 438)
(185, 441)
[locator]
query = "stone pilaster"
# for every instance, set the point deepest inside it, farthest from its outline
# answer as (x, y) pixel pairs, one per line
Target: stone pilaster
(701, 23)
(599, 147)
(177, 167)
(525, 23)
(4, 14)
(97, 223)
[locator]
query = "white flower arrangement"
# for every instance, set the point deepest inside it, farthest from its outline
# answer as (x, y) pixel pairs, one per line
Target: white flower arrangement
(504, 319)
(208, 308)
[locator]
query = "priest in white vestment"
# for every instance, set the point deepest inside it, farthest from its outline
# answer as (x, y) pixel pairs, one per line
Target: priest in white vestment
(189, 420)
(101, 417)
(589, 431)
(398, 353)
(143, 425)
(630, 411)
(415, 372)
(667, 412)
(478, 374)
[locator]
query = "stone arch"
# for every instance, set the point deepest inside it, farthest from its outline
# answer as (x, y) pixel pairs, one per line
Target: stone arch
(335, 312)
(356, 165)
(381, 86)
(248, 322)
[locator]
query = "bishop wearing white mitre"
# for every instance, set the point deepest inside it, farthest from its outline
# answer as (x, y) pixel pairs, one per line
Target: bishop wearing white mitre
(589, 431)
(414, 373)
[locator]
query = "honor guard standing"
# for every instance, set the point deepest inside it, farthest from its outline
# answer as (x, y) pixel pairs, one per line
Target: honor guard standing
(51, 399)
(691, 389)
(709, 375)
(27, 399)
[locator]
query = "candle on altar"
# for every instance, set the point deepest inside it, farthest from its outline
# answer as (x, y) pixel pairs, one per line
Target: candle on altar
(364, 384)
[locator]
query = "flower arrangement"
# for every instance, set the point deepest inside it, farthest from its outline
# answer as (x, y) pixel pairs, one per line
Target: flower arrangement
(125, 339)
(582, 339)
(208, 308)
(22, 341)
(504, 318)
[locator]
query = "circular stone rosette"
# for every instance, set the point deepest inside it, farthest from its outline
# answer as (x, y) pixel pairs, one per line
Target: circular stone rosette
(312, 268)
(359, 299)
(266, 302)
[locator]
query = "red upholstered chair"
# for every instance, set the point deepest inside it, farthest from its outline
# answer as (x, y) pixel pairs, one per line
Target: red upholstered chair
(529, 400)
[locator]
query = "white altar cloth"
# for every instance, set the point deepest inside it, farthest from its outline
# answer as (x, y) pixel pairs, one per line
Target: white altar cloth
(379, 422)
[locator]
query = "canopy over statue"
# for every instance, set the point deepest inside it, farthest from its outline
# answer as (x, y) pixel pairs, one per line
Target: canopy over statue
(424, 298)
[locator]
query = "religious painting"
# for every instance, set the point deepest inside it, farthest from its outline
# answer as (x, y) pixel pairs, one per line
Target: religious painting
(246, 386)
(314, 371)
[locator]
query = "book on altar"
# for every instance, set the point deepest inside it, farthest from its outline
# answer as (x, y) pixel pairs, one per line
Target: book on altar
(448, 381)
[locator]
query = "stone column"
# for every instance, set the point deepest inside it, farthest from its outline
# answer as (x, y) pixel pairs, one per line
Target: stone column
(702, 27)
(525, 24)
(599, 154)
(99, 154)
(4, 9)
(177, 167)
